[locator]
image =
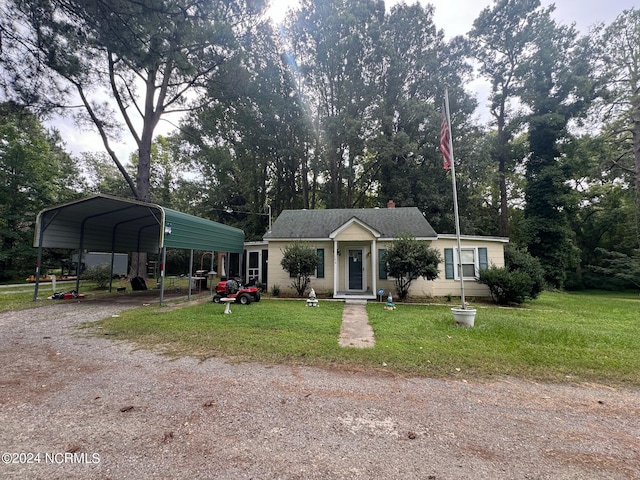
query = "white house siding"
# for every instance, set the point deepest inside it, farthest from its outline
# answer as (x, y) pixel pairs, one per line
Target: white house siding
(356, 236)
(278, 276)
(388, 284)
(355, 233)
(442, 286)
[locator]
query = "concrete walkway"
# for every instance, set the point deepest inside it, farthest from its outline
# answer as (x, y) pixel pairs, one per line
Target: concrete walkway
(355, 330)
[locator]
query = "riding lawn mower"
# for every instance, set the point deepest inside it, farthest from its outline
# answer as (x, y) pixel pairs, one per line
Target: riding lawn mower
(233, 289)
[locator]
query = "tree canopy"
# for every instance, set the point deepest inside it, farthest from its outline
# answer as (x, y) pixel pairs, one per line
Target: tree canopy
(147, 57)
(35, 172)
(340, 106)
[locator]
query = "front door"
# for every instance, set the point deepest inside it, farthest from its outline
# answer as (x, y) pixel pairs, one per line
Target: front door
(355, 269)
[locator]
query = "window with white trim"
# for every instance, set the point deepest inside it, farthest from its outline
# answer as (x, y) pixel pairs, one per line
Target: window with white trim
(468, 261)
(320, 267)
(472, 259)
(382, 264)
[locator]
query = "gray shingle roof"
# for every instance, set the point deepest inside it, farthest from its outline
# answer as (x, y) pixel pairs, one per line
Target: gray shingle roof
(389, 222)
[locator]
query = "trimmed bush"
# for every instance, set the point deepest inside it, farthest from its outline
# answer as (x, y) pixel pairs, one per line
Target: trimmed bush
(521, 279)
(407, 259)
(517, 259)
(301, 261)
(507, 287)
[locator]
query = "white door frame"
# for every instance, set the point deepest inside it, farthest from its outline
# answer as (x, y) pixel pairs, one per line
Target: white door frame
(362, 250)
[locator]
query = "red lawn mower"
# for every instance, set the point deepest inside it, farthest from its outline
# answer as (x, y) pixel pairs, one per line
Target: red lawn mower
(233, 289)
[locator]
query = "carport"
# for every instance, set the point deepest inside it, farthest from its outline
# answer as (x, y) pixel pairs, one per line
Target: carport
(110, 224)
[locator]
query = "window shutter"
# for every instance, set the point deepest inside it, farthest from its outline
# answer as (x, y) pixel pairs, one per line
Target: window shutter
(382, 265)
(320, 267)
(483, 258)
(448, 263)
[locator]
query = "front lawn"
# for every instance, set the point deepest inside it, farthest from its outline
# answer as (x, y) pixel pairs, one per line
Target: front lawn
(559, 337)
(573, 337)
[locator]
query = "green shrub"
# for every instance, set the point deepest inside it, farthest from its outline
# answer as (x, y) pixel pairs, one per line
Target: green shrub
(101, 274)
(519, 260)
(275, 290)
(300, 260)
(522, 278)
(6, 275)
(407, 259)
(507, 287)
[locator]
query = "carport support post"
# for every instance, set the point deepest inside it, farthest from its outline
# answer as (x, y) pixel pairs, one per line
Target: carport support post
(211, 278)
(190, 274)
(38, 263)
(162, 264)
(79, 264)
(113, 256)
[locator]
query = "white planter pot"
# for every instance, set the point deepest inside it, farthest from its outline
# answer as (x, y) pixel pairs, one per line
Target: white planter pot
(464, 317)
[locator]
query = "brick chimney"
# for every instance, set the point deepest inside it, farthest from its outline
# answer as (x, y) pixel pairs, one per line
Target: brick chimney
(391, 204)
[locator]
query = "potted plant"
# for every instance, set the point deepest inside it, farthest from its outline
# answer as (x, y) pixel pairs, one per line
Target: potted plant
(464, 316)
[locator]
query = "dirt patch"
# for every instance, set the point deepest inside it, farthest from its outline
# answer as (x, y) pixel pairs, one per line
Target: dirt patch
(91, 407)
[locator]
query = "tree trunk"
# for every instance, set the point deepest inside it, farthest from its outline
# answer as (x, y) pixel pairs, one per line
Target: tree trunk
(152, 114)
(335, 161)
(502, 170)
(635, 131)
(504, 203)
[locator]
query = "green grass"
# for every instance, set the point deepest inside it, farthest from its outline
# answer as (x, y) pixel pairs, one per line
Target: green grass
(566, 337)
(271, 330)
(20, 297)
(578, 337)
(17, 299)
(560, 337)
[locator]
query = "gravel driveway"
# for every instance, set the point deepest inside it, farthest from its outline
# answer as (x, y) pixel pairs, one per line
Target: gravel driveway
(73, 406)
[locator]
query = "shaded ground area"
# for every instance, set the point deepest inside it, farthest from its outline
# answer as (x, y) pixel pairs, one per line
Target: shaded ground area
(106, 410)
(148, 297)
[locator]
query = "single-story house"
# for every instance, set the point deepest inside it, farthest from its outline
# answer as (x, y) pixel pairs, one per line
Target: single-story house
(350, 243)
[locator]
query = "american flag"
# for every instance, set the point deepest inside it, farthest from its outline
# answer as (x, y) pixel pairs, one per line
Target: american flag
(445, 142)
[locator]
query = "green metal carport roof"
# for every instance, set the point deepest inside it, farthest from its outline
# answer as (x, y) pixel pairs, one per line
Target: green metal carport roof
(110, 224)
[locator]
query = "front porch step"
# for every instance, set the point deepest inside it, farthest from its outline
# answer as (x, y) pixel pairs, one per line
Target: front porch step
(355, 296)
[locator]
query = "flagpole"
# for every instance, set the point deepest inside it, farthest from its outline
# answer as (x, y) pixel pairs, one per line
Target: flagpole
(455, 197)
